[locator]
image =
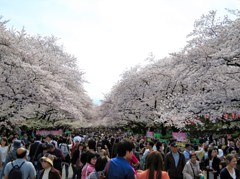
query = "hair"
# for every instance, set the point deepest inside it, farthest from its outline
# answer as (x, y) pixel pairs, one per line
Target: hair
(210, 153)
(50, 136)
(90, 156)
(21, 155)
(5, 140)
(105, 153)
(38, 137)
(158, 145)
(193, 154)
(101, 163)
(151, 143)
(154, 162)
(123, 147)
(229, 158)
(92, 144)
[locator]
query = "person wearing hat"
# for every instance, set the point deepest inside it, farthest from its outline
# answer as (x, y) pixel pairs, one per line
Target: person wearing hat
(187, 151)
(48, 172)
(58, 157)
(174, 162)
(12, 154)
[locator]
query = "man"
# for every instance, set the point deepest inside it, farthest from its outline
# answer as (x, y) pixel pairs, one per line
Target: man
(119, 167)
(58, 157)
(187, 152)
(27, 169)
(35, 150)
(12, 154)
(50, 140)
(174, 162)
(149, 148)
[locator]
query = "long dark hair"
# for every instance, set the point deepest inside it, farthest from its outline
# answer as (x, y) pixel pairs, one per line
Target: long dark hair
(154, 162)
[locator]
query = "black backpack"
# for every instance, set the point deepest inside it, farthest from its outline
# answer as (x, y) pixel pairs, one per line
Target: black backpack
(15, 172)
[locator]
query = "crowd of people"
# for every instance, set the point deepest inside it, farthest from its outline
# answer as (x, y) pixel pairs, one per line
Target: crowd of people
(116, 155)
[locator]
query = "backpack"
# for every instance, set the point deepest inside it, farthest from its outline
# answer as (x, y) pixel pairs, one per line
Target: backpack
(65, 149)
(15, 172)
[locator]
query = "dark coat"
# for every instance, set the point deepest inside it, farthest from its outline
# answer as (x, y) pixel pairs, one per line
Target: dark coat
(35, 150)
(173, 171)
(215, 166)
(53, 174)
(225, 174)
(57, 162)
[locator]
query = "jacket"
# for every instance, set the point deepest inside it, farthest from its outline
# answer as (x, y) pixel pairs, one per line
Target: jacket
(173, 171)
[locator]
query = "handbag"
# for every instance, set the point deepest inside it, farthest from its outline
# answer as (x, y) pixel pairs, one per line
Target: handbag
(195, 176)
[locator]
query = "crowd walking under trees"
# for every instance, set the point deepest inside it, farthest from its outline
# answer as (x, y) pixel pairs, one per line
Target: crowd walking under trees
(113, 154)
(199, 86)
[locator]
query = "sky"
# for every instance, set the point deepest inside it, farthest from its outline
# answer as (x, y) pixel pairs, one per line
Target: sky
(110, 36)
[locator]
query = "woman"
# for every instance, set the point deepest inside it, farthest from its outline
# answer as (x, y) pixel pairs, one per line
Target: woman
(48, 172)
(104, 153)
(212, 164)
(230, 171)
(192, 168)
(76, 160)
(154, 167)
(89, 167)
(99, 168)
(3, 151)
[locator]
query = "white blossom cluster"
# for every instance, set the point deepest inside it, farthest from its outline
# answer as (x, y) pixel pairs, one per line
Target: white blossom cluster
(38, 80)
(203, 78)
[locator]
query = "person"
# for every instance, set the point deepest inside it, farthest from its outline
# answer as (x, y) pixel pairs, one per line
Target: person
(50, 140)
(1, 166)
(44, 150)
(99, 168)
(119, 167)
(76, 160)
(91, 148)
(212, 164)
(89, 167)
(3, 151)
(48, 172)
(154, 167)
(35, 150)
(104, 153)
(192, 168)
(149, 148)
(64, 147)
(58, 157)
(230, 171)
(12, 152)
(27, 168)
(174, 162)
(187, 151)
(134, 162)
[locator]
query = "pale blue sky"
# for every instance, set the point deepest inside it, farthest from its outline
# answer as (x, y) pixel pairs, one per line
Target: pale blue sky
(109, 36)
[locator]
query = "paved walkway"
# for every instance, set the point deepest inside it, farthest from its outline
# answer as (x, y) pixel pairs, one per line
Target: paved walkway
(69, 175)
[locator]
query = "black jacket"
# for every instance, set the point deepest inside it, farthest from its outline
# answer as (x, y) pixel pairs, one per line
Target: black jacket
(173, 171)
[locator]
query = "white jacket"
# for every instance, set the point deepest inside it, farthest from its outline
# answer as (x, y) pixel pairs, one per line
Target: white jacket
(188, 170)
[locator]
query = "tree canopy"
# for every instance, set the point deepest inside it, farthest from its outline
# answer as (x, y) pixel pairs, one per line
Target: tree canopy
(39, 80)
(202, 79)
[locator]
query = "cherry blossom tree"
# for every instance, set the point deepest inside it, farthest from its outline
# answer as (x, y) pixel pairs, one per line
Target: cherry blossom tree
(39, 80)
(202, 79)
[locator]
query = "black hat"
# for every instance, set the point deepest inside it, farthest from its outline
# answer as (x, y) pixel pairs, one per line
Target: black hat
(17, 144)
(173, 144)
(187, 145)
